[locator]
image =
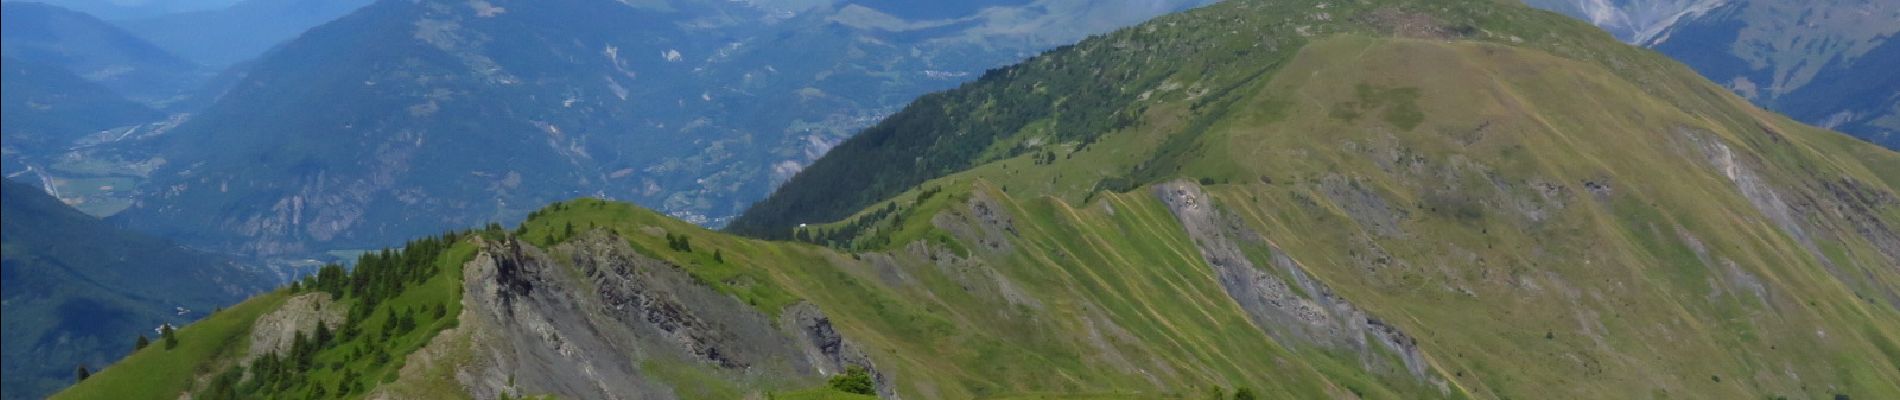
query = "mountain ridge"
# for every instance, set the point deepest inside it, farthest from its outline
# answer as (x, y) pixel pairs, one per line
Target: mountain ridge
(1818, 61)
(97, 50)
(695, 110)
(1397, 199)
(48, 107)
(78, 291)
(237, 33)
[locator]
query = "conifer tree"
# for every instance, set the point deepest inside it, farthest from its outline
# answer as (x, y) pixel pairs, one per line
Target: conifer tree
(171, 338)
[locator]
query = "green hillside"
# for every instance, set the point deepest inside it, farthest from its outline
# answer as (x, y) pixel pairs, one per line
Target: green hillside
(78, 292)
(1299, 199)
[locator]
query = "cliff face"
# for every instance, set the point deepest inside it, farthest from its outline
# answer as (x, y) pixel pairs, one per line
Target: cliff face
(591, 318)
(1302, 311)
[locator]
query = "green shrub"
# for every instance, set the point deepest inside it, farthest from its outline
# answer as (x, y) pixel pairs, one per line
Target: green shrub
(171, 339)
(1244, 394)
(854, 380)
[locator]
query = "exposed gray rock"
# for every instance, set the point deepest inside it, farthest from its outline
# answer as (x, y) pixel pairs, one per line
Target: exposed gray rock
(987, 224)
(1306, 311)
(273, 332)
(887, 268)
(1764, 196)
(1599, 188)
(829, 350)
(531, 337)
(585, 319)
(1842, 203)
(1365, 205)
(1860, 204)
(1268, 300)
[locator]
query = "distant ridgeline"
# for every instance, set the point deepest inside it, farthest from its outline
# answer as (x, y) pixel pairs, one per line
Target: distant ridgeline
(78, 293)
(407, 118)
(1257, 199)
(1822, 62)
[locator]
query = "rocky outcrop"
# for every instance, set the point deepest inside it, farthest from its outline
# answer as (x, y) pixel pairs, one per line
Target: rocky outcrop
(531, 335)
(829, 350)
(1304, 310)
(588, 318)
(1364, 205)
(275, 331)
(985, 224)
(1740, 170)
(1860, 205)
(1826, 209)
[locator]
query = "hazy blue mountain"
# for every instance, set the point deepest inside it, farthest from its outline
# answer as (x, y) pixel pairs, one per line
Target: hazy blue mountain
(1630, 20)
(406, 118)
(77, 291)
(45, 107)
(120, 9)
(240, 32)
(1830, 63)
(96, 51)
(1826, 62)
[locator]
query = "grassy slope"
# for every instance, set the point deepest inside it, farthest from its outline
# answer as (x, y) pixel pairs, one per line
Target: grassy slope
(1627, 303)
(444, 288)
(1182, 336)
(77, 290)
(1606, 299)
(156, 372)
(1599, 296)
(218, 342)
(1186, 70)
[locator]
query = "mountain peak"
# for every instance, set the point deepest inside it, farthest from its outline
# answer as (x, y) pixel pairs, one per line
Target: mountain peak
(1206, 60)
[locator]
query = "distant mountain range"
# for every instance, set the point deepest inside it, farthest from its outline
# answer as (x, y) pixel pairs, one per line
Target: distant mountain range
(227, 36)
(72, 81)
(45, 108)
(1634, 21)
(123, 9)
(405, 118)
(97, 51)
(1826, 62)
(79, 292)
